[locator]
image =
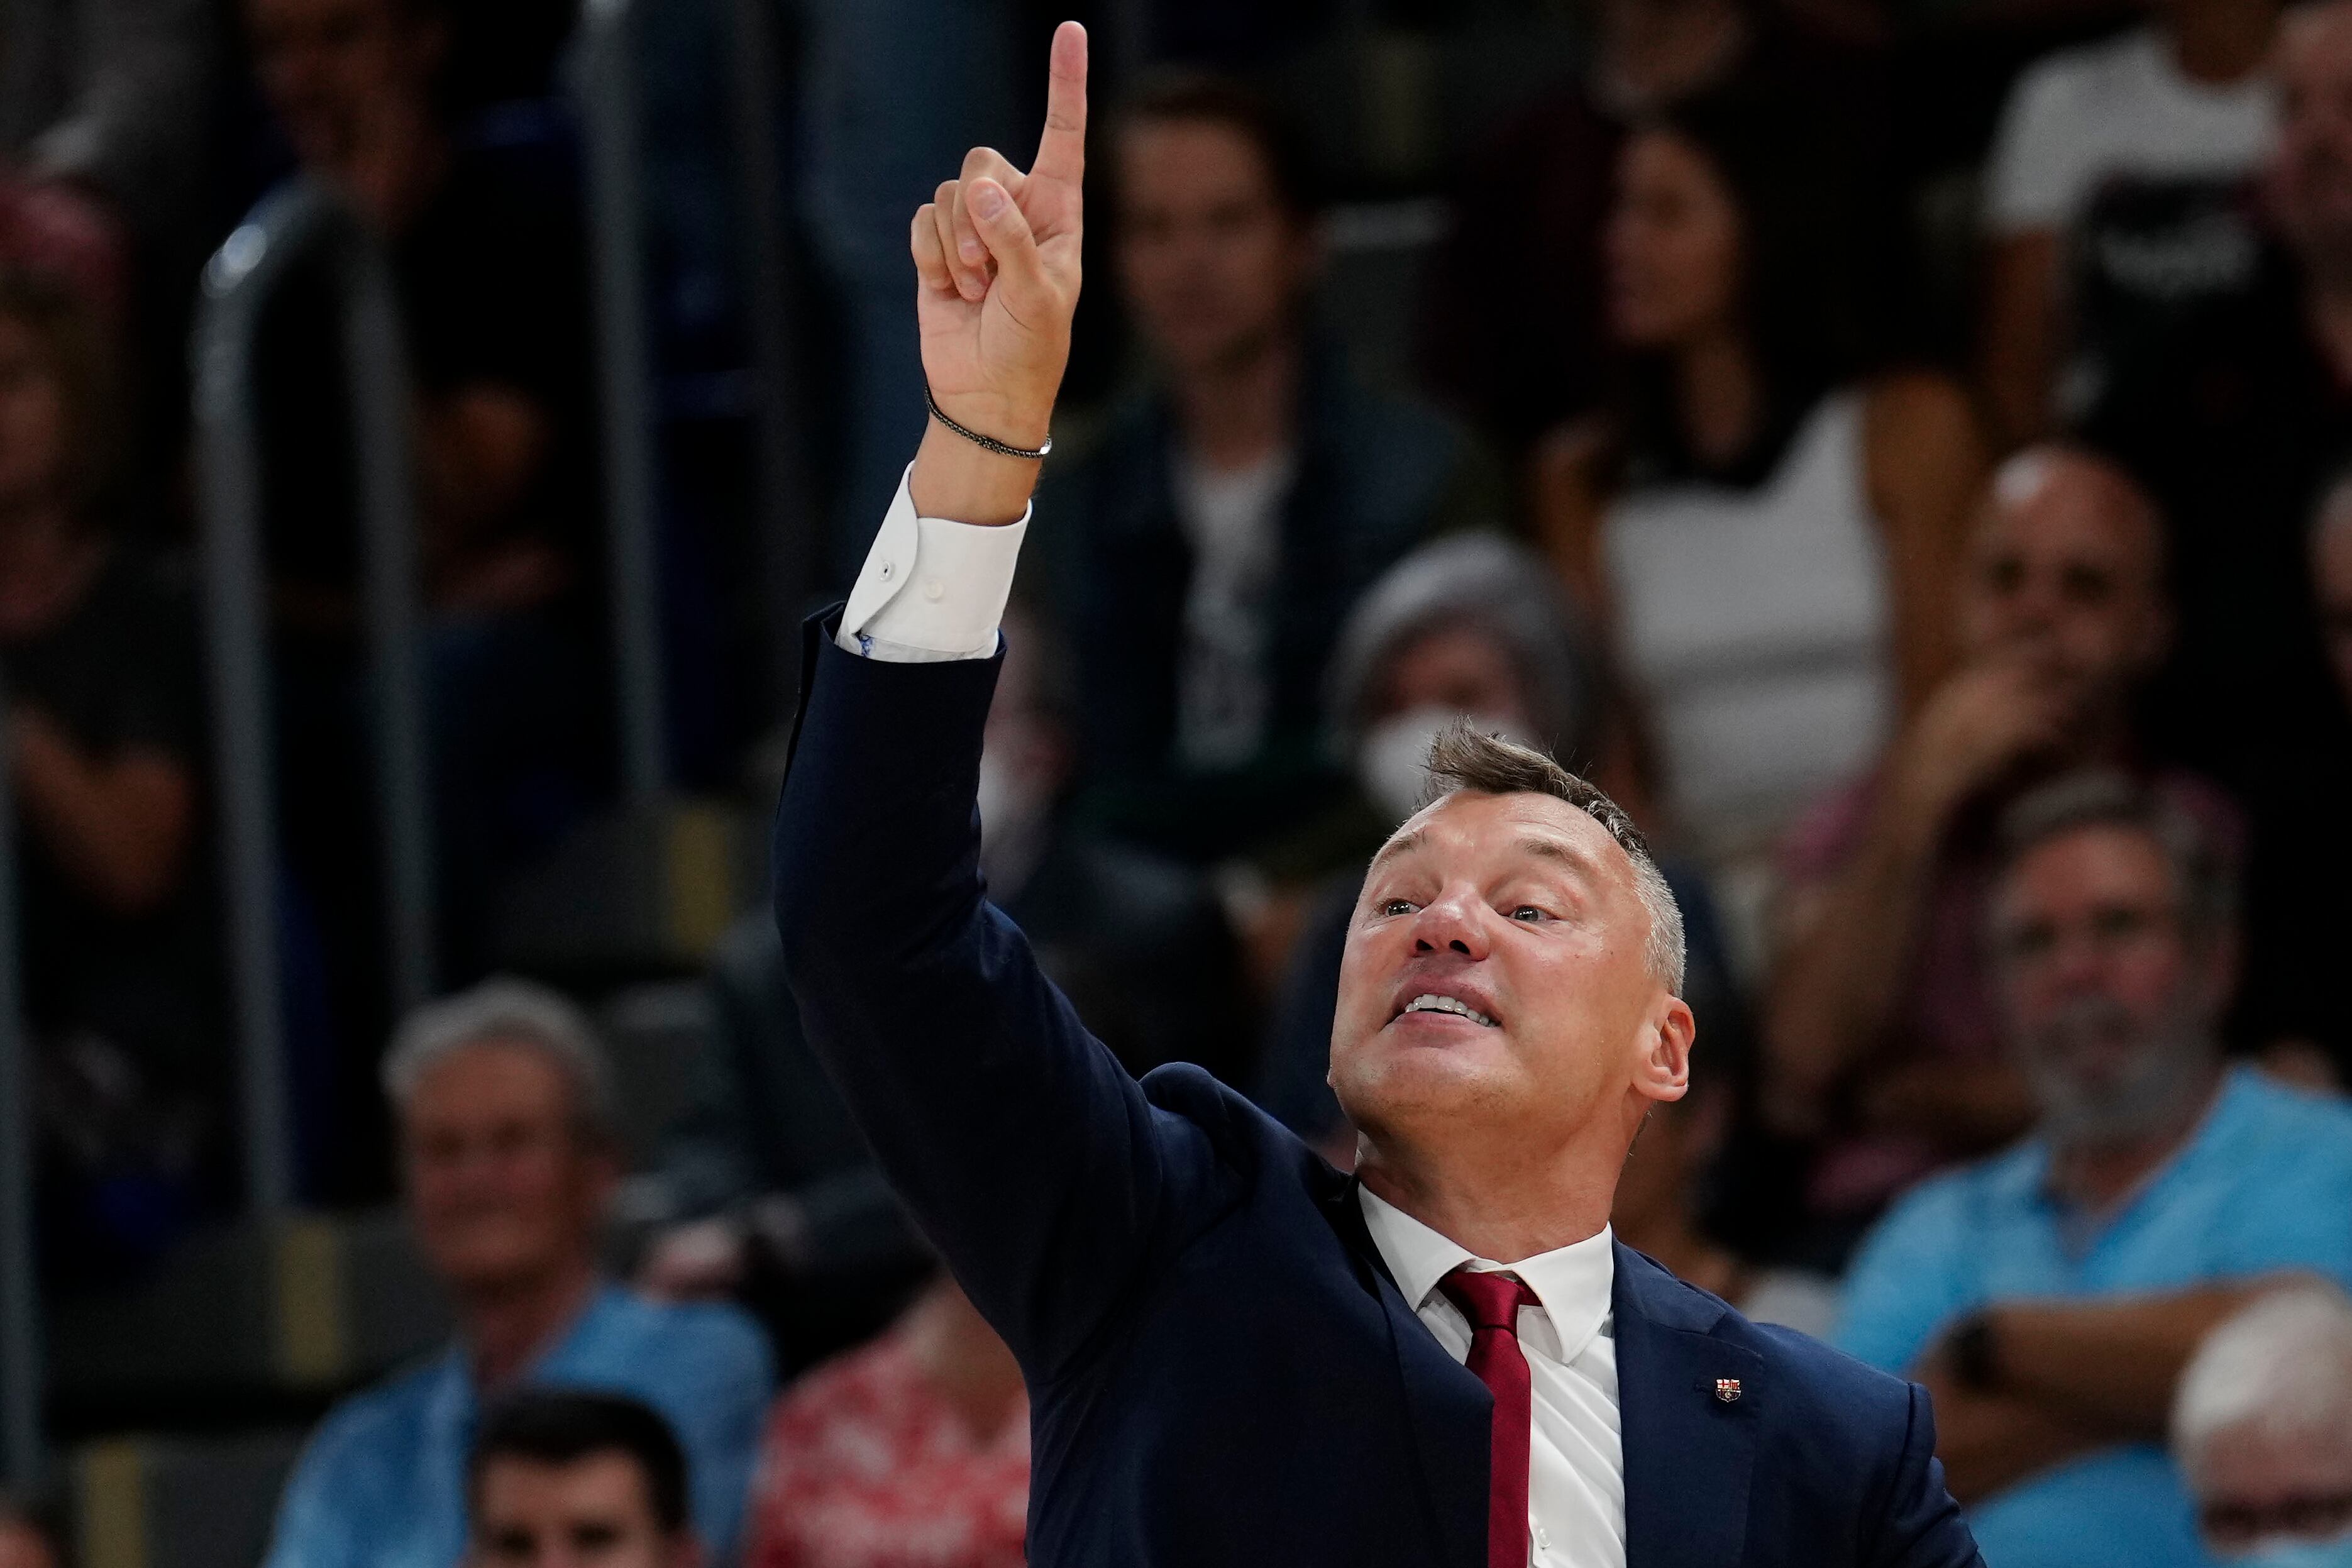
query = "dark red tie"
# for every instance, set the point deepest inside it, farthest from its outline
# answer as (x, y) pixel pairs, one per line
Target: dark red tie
(1492, 1303)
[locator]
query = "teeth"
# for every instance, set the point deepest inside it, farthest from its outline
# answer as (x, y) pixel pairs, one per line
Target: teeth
(1430, 1003)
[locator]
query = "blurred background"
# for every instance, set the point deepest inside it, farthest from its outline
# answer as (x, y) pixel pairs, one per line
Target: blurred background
(1897, 448)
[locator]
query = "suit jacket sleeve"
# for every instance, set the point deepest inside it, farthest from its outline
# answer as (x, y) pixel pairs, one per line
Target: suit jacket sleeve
(1027, 1154)
(1920, 1526)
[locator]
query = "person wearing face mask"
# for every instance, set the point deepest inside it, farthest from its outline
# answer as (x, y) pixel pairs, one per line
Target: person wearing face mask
(1471, 626)
(766, 1188)
(2050, 1296)
(2262, 1429)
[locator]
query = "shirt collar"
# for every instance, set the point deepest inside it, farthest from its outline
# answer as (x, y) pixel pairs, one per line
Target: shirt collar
(571, 1354)
(1573, 1282)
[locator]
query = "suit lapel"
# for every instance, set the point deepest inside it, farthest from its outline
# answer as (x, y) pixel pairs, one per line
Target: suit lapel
(1688, 1453)
(1451, 1411)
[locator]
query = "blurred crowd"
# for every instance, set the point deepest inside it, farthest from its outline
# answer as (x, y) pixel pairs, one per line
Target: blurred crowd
(1901, 453)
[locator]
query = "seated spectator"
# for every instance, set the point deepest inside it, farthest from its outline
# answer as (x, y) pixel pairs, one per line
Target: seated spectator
(1470, 628)
(1512, 324)
(1662, 1199)
(2122, 164)
(2262, 1429)
(119, 962)
(1204, 552)
(2049, 1297)
(488, 265)
(1768, 533)
(766, 1183)
(504, 1108)
(1881, 1035)
(488, 269)
(914, 1449)
(564, 1478)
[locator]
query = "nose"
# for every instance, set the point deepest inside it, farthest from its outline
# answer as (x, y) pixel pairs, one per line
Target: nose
(1453, 922)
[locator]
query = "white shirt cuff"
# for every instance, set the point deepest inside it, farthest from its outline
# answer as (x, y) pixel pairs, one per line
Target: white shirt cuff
(931, 590)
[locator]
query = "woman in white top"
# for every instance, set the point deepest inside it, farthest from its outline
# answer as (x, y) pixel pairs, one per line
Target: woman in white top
(1769, 539)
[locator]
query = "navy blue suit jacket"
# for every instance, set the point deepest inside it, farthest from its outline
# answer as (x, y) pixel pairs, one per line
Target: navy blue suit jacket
(1220, 1368)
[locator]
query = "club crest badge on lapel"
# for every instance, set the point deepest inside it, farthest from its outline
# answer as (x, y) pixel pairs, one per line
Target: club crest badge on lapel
(1726, 1389)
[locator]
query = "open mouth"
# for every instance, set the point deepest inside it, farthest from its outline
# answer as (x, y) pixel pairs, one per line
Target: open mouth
(1430, 1001)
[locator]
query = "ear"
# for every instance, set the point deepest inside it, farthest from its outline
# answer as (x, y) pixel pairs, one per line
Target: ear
(1662, 1073)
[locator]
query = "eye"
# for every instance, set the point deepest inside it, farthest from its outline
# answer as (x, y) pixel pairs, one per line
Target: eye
(1396, 906)
(1529, 914)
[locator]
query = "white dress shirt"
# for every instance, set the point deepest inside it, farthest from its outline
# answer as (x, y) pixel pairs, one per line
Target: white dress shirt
(1575, 1456)
(933, 590)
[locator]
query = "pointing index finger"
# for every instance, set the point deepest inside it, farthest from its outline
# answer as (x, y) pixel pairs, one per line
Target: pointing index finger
(1062, 148)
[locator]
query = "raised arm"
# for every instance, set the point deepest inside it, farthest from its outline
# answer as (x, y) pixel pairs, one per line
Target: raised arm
(996, 269)
(1027, 1152)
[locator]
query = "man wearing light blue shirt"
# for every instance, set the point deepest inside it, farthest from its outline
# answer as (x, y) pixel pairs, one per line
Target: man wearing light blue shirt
(505, 1134)
(2050, 1296)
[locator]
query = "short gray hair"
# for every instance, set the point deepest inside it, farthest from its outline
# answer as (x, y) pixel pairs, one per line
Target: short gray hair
(503, 1008)
(2204, 871)
(1484, 583)
(2282, 1364)
(1464, 758)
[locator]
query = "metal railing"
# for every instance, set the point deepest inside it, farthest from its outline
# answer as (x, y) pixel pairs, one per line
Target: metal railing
(302, 220)
(22, 1380)
(609, 113)
(784, 524)
(610, 110)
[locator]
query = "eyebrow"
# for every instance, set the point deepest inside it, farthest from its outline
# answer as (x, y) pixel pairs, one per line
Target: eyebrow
(1540, 845)
(1558, 849)
(1394, 847)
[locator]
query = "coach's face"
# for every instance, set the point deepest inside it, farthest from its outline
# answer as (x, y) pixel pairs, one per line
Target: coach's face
(1496, 984)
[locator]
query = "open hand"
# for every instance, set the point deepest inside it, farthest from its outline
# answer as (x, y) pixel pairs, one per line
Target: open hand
(996, 259)
(1977, 724)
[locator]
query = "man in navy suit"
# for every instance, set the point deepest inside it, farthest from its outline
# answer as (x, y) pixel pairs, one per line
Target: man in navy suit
(1235, 1355)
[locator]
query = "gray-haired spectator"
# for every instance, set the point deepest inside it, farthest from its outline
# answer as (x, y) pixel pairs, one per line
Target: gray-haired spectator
(1882, 1036)
(2050, 1297)
(2262, 1429)
(503, 1107)
(1473, 626)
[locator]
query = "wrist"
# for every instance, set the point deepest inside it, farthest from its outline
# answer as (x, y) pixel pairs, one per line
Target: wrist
(1022, 422)
(961, 482)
